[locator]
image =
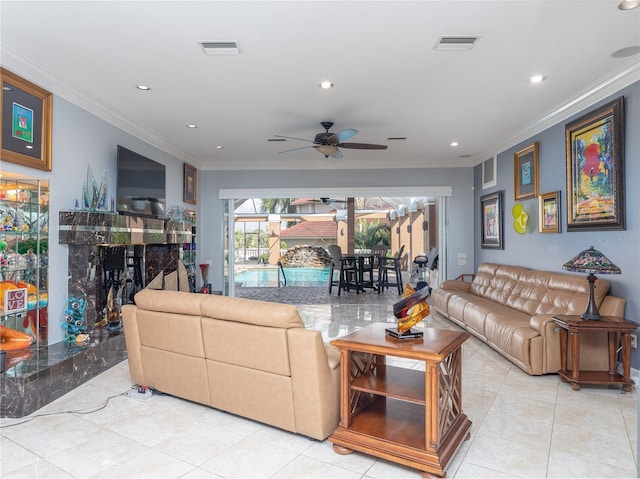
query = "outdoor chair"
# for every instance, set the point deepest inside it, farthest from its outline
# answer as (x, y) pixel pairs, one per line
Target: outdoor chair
(393, 265)
(347, 268)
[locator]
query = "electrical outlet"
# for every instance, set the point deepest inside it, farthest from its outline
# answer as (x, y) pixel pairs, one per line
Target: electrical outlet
(634, 341)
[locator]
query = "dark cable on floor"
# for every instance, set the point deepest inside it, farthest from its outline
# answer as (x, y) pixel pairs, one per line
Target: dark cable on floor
(78, 411)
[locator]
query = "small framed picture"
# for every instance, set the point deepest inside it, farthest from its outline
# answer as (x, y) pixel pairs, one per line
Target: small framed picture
(525, 169)
(489, 172)
(190, 188)
(26, 122)
(491, 221)
(549, 212)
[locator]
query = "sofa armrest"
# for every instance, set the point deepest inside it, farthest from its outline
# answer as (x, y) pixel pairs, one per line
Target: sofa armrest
(612, 306)
(454, 285)
(315, 379)
(132, 339)
(333, 355)
(539, 322)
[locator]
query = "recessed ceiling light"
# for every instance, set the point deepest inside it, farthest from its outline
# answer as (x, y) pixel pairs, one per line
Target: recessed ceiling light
(143, 87)
(454, 143)
(191, 125)
(29, 147)
(219, 147)
(629, 4)
(325, 85)
(6, 88)
(536, 79)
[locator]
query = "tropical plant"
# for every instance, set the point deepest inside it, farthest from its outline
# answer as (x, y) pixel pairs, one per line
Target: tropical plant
(275, 205)
(372, 233)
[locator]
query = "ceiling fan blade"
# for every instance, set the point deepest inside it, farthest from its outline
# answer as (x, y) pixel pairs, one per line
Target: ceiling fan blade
(292, 138)
(344, 135)
(337, 155)
(362, 146)
(296, 149)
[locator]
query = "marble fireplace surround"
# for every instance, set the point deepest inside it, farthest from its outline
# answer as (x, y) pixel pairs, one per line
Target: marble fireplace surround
(53, 370)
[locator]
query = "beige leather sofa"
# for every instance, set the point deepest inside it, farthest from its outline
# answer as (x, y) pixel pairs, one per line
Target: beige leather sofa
(511, 308)
(251, 358)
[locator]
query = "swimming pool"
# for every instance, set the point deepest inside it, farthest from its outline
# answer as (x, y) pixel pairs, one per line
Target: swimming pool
(268, 277)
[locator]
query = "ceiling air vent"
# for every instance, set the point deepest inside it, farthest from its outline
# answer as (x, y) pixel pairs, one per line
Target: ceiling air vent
(221, 48)
(456, 43)
(276, 139)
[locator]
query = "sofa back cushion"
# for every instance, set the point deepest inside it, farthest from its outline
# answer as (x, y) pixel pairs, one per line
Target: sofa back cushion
(535, 292)
(178, 333)
(261, 348)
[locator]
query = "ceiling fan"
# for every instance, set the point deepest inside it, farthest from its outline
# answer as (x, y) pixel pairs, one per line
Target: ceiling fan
(328, 143)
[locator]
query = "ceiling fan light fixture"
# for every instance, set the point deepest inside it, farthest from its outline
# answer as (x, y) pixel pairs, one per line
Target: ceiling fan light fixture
(629, 4)
(326, 150)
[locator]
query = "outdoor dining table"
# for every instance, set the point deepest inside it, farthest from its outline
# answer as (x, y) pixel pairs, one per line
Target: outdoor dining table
(366, 262)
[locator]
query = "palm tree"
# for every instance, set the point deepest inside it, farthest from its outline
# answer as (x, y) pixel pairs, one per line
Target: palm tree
(275, 205)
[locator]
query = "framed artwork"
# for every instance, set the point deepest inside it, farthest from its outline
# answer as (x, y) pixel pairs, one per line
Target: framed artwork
(489, 172)
(549, 212)
(595, 170)
(25, 123)
(525, 169)
(190, 184)
(491, 220)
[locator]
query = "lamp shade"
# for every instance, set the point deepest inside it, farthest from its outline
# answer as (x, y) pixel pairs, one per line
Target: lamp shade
(591, 261)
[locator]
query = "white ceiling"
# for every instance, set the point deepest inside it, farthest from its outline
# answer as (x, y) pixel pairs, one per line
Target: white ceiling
(389, 80)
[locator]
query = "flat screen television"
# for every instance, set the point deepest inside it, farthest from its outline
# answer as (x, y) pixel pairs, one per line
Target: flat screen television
(141, 185)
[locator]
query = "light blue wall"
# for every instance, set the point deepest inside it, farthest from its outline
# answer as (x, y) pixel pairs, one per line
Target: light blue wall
(550, 251)
(81, 139)
(210, 245)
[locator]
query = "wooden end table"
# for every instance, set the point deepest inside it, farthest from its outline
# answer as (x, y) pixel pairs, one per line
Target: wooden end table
(574, 325)
(407, 416)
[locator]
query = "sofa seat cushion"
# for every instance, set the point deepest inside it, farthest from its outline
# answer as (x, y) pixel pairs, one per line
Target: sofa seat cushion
(510, 333)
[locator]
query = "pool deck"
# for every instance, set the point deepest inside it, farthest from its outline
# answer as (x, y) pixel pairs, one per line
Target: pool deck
(316, 295)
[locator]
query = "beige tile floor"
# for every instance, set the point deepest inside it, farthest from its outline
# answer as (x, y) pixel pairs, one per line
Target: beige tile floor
(523, 426)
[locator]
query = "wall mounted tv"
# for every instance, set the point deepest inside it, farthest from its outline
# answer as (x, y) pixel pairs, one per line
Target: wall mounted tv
(141, 185)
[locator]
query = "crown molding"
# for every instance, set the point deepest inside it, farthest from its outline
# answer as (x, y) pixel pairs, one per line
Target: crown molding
(607, 86)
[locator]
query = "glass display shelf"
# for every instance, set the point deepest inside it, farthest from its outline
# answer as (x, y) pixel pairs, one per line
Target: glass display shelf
(24, 249)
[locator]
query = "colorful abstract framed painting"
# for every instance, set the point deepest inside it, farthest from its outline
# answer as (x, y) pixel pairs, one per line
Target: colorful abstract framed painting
(595, 169)
(491, 221)
(525, 169)
(549, 212)
(190, 187)
(25, 123)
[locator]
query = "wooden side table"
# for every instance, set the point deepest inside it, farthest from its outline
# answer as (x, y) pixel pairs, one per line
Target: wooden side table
(407, 416)
(574, 325)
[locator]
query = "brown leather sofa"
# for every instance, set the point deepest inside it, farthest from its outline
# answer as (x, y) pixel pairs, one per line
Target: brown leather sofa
(250, 358)
(511, 308)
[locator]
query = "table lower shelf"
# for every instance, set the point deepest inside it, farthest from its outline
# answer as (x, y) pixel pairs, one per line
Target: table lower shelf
(595, 377)
(395, 430)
